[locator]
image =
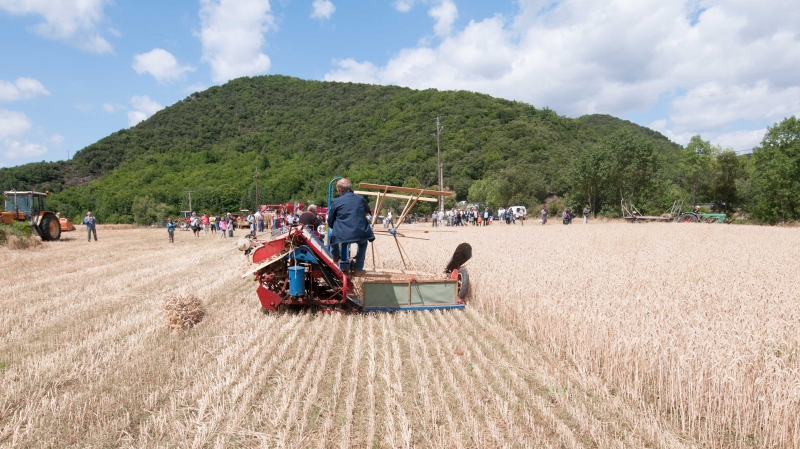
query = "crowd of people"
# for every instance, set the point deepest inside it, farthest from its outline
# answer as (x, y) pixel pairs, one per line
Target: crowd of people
(265, 219)
(260, 221)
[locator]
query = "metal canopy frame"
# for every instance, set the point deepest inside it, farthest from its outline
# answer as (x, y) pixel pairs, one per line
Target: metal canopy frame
(411, 201)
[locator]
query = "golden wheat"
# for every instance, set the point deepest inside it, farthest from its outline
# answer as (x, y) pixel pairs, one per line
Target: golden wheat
(607, 335)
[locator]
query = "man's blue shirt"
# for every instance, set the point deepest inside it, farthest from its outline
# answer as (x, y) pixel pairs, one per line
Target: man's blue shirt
(347, 217)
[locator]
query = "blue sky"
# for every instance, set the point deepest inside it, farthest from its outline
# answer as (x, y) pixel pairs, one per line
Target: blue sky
(73, 72)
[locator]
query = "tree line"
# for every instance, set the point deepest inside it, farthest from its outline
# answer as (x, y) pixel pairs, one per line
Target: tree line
(299, 134)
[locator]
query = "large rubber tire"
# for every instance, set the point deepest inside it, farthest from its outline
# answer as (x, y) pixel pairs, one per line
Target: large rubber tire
(689, 218)
(50, 228)
(463, 283)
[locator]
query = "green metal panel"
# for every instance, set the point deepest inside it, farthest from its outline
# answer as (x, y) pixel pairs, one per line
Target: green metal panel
(719, 217)
(388, 294)
(385, 294)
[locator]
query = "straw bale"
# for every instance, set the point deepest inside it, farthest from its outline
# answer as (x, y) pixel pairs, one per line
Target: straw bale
(183, 311)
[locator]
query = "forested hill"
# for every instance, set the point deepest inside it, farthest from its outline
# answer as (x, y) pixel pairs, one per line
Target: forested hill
(299, 134)
(607, 125)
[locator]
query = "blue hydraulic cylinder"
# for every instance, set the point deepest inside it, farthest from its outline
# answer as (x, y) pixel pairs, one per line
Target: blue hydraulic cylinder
(297, 281)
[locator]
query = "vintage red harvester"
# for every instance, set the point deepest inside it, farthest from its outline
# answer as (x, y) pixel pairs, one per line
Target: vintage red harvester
(293, 267)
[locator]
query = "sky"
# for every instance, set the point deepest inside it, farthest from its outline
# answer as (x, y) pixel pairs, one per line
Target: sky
(73, 72)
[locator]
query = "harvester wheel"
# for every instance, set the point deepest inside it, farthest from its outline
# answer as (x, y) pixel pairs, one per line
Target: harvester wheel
(462, 284)
(689, 218)
(50, 227)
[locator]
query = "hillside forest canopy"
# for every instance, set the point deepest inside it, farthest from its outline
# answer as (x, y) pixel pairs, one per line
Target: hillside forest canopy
(299, 134)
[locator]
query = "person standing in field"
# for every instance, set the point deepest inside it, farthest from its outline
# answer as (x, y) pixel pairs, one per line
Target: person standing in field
(194, 222)
(90, 223)
(204, 219)
(230, 222)
(223, 227)
(387, 222)
(171, 230)
(259, 221)
(251, 223)
(586, 214)
(213, 220)
(544, 215)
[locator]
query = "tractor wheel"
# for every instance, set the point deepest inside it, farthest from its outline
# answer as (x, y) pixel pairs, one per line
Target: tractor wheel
(462, 284)
(689, 218)
(50, 228)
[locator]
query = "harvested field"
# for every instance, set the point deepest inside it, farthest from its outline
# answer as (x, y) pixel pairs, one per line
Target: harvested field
(606, 335)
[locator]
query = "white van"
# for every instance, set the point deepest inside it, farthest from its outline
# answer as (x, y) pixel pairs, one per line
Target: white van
(518, 211)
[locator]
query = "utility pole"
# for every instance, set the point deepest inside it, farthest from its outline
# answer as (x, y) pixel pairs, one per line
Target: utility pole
(439, 160)
(190, 199)
(256, 178)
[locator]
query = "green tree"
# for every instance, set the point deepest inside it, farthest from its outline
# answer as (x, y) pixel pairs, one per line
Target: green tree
(776, 176)
(632, 164)
(590, 172)
(146, 211)
(695, 163)
(727, 171)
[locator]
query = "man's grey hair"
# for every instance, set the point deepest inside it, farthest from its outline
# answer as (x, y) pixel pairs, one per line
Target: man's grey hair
(344, 185)
(312, 208)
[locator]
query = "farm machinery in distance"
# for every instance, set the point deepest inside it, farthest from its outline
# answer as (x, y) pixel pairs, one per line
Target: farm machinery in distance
(295, 268)
(674, 214)
(30, 207)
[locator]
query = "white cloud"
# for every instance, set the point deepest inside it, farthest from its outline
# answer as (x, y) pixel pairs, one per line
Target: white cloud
(445, 14)
(18, 150)
(112, 107)
(84, 107)
(658, 125)
(403, 5)
(742, 141)
(323, 9)
(134, 117)
(71, 21)
(161, 64)
(13, 123)
(232, 35)
(198, 87)
(718, 69)
(143, 107)
(713, 106)
(56, 139)
(357, 72)
(21, 89)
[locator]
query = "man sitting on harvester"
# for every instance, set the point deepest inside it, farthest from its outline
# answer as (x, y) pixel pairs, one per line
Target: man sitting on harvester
(347, 218)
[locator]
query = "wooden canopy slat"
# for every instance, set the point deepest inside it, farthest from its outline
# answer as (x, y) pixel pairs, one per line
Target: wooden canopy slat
(392, 195)
(365, 185)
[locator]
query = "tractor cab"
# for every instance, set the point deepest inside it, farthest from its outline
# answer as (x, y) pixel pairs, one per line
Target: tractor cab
(31, 207)
(24, 205)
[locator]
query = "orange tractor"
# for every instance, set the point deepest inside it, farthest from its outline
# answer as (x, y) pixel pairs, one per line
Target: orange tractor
(30, 207)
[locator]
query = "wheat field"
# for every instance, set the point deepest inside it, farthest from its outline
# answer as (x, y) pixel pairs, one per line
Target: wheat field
(599, 335)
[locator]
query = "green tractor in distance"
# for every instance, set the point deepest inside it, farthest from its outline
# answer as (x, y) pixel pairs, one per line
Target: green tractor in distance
(30, 207)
